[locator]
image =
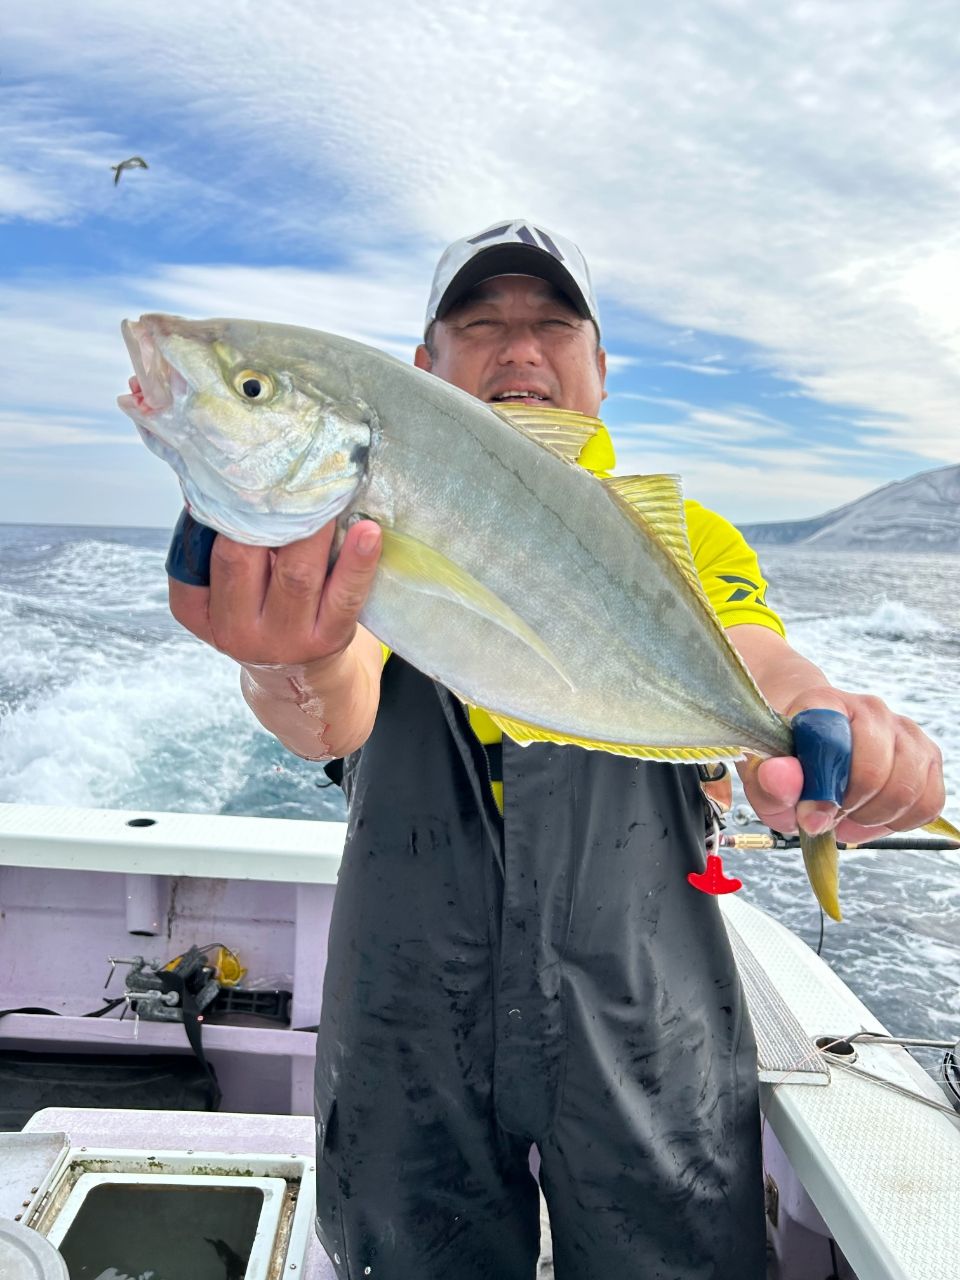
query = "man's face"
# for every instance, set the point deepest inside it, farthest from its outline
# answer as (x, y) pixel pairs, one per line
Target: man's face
(516, 338)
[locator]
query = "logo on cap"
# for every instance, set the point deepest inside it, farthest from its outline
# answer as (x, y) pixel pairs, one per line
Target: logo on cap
(536, 238)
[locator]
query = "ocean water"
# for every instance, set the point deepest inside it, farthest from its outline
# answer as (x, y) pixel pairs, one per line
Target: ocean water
(106, 702)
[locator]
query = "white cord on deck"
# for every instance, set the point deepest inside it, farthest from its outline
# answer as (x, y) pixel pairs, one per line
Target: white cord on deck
(836, 1061)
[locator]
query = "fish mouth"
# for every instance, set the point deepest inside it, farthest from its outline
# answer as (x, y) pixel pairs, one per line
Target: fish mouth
(155, 383)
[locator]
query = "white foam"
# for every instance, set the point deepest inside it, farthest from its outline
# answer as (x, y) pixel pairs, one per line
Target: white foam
(890, 653)
(99, 739)
(893, 620)
(93, 573)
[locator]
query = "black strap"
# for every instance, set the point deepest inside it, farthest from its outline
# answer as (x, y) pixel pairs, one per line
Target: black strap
(96, 1013)
(192, 1023)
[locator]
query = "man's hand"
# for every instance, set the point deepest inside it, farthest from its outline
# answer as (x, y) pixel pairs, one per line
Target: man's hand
(896, 772)
(281, 607)
(310, 674)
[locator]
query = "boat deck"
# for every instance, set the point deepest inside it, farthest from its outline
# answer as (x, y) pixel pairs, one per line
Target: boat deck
(852, 1158)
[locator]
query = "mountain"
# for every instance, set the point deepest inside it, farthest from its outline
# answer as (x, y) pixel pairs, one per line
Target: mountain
(919, 514)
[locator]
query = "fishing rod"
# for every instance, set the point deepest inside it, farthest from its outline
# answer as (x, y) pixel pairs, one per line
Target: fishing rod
(742, 815)
(714, 880)
(755, 840)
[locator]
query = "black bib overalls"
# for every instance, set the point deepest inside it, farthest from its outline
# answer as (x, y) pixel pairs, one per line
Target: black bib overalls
(550, 978)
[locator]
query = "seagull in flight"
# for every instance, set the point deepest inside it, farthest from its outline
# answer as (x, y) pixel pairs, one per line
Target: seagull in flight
(134, 162)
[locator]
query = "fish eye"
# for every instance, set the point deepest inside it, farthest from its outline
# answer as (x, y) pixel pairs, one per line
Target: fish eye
(253, 386)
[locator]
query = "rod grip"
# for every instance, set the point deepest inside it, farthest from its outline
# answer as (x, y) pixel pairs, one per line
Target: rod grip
(188, 559)
(823, 744)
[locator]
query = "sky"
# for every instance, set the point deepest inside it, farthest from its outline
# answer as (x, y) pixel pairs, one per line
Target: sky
(767, 196)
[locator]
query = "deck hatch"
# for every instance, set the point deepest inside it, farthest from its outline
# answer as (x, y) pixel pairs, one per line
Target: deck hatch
(118, 1225)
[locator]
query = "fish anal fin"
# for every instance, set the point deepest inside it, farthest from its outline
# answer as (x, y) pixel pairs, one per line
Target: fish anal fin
(524, 734)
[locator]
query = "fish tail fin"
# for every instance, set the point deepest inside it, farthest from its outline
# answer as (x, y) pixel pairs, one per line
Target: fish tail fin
(822, 860)
(941, 827)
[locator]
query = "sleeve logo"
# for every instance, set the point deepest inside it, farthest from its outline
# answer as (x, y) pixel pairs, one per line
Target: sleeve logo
(745, 591)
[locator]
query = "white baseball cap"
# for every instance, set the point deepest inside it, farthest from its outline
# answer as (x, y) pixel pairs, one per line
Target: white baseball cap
(517, 248)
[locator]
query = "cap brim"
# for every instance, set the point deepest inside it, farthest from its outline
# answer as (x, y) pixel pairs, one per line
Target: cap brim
(507, 260)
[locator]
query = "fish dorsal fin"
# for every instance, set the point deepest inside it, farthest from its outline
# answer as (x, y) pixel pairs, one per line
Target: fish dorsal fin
(563, 431)
(655, 503)
(524, 733)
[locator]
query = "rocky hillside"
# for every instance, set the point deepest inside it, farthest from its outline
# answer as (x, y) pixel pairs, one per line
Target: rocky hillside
(919, 514)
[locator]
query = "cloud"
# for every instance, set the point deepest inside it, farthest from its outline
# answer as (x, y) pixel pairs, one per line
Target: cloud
(620, 363)
(58, 170)
(373, 297)
(752, 488)
(709, 370)
(788, 180)
(24, 197)
(31, 432)
(69, 357)
(55, 163)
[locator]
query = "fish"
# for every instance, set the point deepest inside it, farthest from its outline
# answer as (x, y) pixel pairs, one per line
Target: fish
(565, 604)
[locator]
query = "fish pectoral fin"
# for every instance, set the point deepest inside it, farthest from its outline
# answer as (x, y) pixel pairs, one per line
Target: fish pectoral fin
(941, 827)
(422, 568)
(575, 437)
(523, 733)
(822, 861)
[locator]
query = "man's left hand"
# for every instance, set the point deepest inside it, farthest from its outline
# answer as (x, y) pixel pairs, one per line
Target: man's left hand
(896, 771)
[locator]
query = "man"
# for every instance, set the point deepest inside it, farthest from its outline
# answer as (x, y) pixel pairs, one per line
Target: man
(516, 956)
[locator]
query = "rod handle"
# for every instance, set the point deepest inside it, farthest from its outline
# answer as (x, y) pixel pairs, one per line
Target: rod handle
(823, 744)
(188, 559)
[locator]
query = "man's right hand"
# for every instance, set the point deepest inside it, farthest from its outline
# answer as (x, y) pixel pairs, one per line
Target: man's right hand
(311, 674)
(281, 607)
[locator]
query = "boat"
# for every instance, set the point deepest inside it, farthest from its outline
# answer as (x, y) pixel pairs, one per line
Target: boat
(156, 915)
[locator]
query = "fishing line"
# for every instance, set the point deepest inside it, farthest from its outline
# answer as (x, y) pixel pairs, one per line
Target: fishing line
(824, 1050)
(899, 1088)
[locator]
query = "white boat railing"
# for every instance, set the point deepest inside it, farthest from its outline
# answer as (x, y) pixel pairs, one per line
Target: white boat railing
(173, 844)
